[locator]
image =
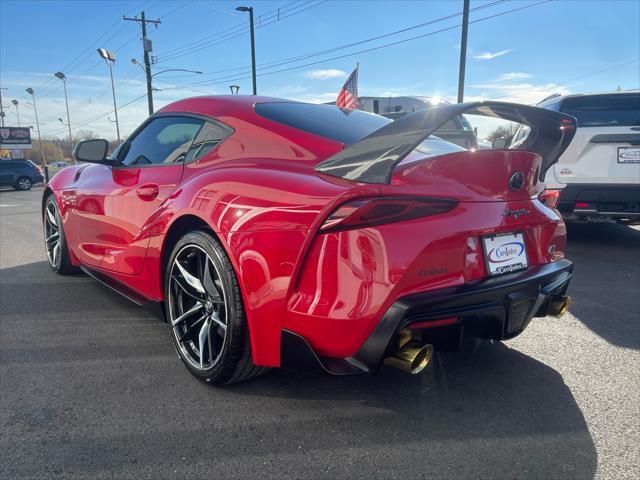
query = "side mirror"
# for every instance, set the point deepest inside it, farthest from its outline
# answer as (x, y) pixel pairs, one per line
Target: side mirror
(92, 151)
(499, 143)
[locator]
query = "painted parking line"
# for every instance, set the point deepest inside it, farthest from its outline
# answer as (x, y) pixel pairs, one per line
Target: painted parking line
(7, 205)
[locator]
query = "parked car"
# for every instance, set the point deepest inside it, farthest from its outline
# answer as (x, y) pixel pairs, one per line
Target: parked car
(273, 233)
(19, 174)
(598, 177)
(457, 130)
(58, 164)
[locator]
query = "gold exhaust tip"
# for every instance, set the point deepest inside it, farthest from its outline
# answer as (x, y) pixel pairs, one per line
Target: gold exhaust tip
(411, 359)
(560, 307)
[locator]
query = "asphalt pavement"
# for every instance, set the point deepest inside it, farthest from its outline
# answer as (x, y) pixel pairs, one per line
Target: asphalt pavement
(90, 387)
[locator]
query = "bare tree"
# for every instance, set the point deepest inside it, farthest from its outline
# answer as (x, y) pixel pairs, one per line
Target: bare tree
(506, 131)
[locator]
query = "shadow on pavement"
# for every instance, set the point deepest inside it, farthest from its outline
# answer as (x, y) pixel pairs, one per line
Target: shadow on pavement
(605, 286)
(512, 415)
(92, 388)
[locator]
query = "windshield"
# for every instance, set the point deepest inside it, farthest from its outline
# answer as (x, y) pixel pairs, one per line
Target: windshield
(604, 110)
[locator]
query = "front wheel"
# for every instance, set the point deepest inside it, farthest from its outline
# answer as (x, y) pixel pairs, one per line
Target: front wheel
(205, 311)
(55, 243)
(24, 183)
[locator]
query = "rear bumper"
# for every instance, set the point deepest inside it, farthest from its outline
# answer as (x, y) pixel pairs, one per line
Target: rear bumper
(497, 308)
(600, 201)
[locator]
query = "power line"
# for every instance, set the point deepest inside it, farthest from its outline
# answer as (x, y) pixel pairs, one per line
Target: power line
(234, 32)
(215, 36)
(171, 12)
(99, 116)
(288, 60)
(226, 79)
(591, 74)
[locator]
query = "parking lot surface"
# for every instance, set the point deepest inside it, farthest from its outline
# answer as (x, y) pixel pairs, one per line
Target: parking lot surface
(92, 388)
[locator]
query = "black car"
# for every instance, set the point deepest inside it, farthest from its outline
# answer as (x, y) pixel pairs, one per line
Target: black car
(19, 174)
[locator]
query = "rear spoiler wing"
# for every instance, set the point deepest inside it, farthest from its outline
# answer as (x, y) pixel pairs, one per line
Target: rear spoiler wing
(373, 159)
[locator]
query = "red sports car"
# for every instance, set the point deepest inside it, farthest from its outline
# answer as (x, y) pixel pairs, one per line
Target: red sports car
(273, 233)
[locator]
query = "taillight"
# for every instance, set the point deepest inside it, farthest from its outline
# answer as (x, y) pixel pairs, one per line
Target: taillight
(369, 212)
(550, 198)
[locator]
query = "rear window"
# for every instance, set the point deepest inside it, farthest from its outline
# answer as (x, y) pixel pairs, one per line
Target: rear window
(604, 110)
(434, 146)
(342, 125)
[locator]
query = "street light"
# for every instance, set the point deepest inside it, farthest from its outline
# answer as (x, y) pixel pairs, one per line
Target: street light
(62, 77)
(15, 102)
(136, 62)
(1, 107)
(110, 59)
(42, 156)
(253, 45)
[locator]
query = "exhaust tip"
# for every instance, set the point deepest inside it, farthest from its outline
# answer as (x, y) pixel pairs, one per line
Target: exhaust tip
(411, 359)
(422, 359)
(559, 306)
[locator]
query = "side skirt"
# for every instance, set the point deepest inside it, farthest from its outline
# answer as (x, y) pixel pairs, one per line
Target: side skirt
(155, 308)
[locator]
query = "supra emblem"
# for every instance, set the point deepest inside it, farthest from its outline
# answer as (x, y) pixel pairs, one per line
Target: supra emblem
(516, 181)
(515, 213)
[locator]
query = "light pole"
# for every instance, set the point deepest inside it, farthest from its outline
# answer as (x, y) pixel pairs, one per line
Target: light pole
(62, 77)
(42, 156)
(463, 50)
(110, 59)
(253, 45)
(1, 107)
(15, 102)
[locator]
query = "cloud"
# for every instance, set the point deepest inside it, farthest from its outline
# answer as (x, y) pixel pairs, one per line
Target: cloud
(513, 76)
(518, 92)
(490, 56)
(324, 74)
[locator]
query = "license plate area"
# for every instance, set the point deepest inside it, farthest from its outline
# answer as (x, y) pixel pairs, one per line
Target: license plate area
(505, 253)
(628, 154)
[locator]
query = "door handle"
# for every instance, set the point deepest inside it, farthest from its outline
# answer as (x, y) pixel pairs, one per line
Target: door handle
(148, 192)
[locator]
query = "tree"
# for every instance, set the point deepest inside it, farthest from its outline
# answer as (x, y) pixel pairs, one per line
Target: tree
(51, 150)
(506, 131)
(85, 135)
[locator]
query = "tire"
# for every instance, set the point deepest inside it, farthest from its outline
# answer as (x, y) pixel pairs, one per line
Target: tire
(59, 262)
(24, 183)
(233, 360)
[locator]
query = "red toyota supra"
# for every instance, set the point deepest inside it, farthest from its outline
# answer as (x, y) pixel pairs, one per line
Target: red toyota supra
(273, 233)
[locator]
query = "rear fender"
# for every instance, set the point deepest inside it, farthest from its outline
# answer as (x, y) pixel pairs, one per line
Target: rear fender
(263, 223)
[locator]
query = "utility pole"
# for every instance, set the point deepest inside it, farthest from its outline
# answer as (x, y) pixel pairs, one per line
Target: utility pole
(463, 50)
(147, 47)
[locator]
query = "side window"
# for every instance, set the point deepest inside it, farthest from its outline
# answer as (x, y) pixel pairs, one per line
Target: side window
(208, 138)
(163, 141)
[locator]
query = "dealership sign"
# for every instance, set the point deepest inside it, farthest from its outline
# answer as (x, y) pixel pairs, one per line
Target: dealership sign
(15, 138)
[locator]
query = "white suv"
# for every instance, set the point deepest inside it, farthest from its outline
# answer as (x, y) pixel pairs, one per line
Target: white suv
(598, 176)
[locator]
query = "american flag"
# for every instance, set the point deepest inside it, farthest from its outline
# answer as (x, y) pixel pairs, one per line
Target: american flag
(348, 96)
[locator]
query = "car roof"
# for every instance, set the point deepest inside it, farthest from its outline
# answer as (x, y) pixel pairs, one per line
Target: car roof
(597, 94)
(219, 105)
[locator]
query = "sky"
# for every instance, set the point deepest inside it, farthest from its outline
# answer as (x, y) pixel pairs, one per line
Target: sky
(518, 50)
